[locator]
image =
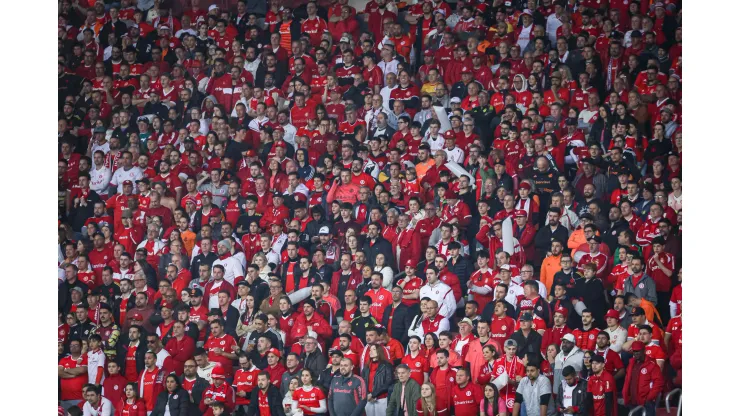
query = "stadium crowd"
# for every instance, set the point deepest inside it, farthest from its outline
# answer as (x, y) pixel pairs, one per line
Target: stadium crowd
(427, 208)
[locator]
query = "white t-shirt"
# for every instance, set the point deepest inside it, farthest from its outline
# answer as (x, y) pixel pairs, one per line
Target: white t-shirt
(100, 178)
(104, 408)
(567, 394)
(121, 175)
(95, 359)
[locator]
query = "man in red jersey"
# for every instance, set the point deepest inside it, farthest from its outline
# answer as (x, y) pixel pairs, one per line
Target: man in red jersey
(586, 335)
(151, 381)
(245, 380)
(612, 361)
(466, 395)
(602, 389)
(219, 348)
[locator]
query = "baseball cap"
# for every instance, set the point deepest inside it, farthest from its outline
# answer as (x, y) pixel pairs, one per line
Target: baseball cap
(595, 239)
(551, 119)
(410, 263)
(312, 334)
(127, 182)
(274, 351)
(166, 304)
(455, 100)
(505, 267)
(137, 317)
(526, 317)
(568, 337)
(143, 180)
(465, 320)
(99, 130)
(510, 343)
(195, 292)
(638, 311)
(638, 346)
(324, 230)
(520, 213)
(344, 39)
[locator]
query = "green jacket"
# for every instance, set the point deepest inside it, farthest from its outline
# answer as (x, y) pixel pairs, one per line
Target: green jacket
(412, 395)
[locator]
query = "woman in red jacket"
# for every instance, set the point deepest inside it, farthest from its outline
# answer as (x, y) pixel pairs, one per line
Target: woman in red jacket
(486, 375)
(131, 404)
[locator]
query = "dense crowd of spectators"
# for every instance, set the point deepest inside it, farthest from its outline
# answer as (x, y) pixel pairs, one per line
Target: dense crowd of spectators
(303, 208)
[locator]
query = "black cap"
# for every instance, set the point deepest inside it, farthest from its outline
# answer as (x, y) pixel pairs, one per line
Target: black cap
(595, 239)
(638, 311)
(143, 180)
(310, 302)
(587, 216)
(526, 317)
(195, 292)
(104, 305)
(571, 121)
(370, 55)
(243, 283)
(588, 160)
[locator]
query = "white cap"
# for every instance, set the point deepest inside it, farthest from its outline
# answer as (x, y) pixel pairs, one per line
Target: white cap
(211, 7)
(568, 337)
(312, 334)
(455, 100)
(324, 230)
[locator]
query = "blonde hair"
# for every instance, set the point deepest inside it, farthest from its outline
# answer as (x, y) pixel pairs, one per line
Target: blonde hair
(430, 401)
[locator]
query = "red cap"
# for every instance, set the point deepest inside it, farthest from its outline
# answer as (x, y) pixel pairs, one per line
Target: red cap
(274, 351)
(466, 70)
(562, 310)
(638, 346)
(481, 7)
(450, 194)
(476, 54)
(128, 183)
(218, 372)
(207, 193)
(251, 153)
(520, 213)
(189, 198)
(410, 263)
(612, 313)
(525, 185)
(137, 317)
(195, 64)
(428, 52)
(166, 304)
(450, 134)
(278, 128)
(280, 144)
(300, 197)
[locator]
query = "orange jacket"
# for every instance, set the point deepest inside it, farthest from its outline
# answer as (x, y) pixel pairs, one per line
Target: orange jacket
(550, 266)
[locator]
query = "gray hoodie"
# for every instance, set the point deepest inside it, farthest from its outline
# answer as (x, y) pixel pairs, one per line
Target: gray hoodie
(574, 359)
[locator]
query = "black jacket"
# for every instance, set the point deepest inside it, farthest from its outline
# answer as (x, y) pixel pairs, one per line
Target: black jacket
(179, 403)
(543, 239)
(201, 258)
(462, 268)
(381, 245)
(581, 400)
(593, 294)
(316, 362)
(610, 235)
(528, 345)
(399, 329)
(383, 378)
(199, 387)
(273, 399)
